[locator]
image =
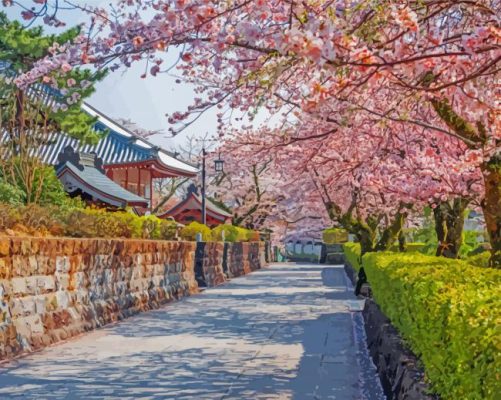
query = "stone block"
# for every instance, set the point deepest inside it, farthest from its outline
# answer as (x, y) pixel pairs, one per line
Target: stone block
(62, 299)
(41, 304)
(22, 328)
(62, 281)
(4, 247)
(5, 289)
(18, 286)
(45, 284)
(19, 266)
(62, 264)
(5, 268)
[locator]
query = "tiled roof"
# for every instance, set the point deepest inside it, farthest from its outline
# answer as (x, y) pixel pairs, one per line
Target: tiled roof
(90, 179)
(210, 206)
(118, 147)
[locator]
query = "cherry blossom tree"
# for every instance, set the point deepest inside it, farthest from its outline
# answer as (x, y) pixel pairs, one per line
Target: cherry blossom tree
(422, 64)
(370, 181)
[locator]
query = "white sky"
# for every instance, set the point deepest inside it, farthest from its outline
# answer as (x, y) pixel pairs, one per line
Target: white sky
(123, 94)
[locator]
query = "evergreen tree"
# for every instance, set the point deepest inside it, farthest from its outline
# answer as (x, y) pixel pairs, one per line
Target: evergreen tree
(57, 100)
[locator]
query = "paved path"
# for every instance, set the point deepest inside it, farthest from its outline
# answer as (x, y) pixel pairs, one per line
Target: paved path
(291, 331)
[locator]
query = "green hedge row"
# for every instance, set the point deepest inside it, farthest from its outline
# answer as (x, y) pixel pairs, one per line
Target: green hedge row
(449, 313)
(334, 235)
(231, 233)
(36, 220)
(411, 247)
(52, 220)
(352, 254)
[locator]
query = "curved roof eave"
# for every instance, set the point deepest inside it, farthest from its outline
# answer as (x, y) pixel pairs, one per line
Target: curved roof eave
(180, 167)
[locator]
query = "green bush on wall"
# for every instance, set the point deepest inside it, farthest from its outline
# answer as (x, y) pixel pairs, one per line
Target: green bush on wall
(352, 254)
(11, 194)
(84, 222)
(230, 233)
(234, 234)
(410, 247)
(334, 235)
(74, 220)
(189, 232)
(448, 312)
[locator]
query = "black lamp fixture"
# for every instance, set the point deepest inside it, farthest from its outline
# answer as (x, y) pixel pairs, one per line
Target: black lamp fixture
(219, 164)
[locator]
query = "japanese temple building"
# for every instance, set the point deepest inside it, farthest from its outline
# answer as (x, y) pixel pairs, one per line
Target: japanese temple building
(121, 159)
(190, 209)
(83, 175)
(125, 158)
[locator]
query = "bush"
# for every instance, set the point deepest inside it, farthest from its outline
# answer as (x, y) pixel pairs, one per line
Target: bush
(470, 243)
(411, 247)
(34, 219)
(253, 236)
(479, 260)
(334, 235)
(352, 253)
(234, 234)
(230, 233)
(448, 312)
(11, 194)
(46, 189)
(190, 231)
(101, 223)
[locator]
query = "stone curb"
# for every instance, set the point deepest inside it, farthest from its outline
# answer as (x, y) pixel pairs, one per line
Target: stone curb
(398, 367)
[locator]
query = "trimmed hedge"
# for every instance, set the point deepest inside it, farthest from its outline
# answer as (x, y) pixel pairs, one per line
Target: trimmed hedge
(448, 312)
(352, 254)
(334, 236)
(479, 260)
(231, 233)
(47, 220)
(411, 247)
(189, 232)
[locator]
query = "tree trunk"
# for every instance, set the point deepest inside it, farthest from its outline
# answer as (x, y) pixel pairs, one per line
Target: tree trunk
(402, 245)
(491, 207)
(449, 223)
(391, 233)
(366, 240)
(20, 123)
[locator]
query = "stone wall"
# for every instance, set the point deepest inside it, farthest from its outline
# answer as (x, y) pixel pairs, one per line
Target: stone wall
(399, 370)
(52, 288)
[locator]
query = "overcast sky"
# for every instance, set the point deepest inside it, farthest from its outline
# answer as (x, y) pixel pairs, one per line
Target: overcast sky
(123, 94)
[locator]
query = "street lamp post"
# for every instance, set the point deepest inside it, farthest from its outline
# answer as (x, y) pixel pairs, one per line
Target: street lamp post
(204, 216)
(218, 167)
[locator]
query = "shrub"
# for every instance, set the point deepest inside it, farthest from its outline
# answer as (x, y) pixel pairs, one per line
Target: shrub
(9, 216)
(352, 253)
(234, 234)
(11, 194)
(470, 243)
(253, 236)
(34, 219)
(190, 231)
(411, 247)
(448, 312)
(479, 260)
(91, 222)
(230, 233)
(334, 235)
(34, 182)
(168, 230)
(52, 190)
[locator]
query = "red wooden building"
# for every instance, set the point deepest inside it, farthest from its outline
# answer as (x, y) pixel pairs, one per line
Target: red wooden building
(190, 209)
(129, 160)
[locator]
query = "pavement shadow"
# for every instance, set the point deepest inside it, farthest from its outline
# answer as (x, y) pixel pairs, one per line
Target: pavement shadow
(266, 336)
